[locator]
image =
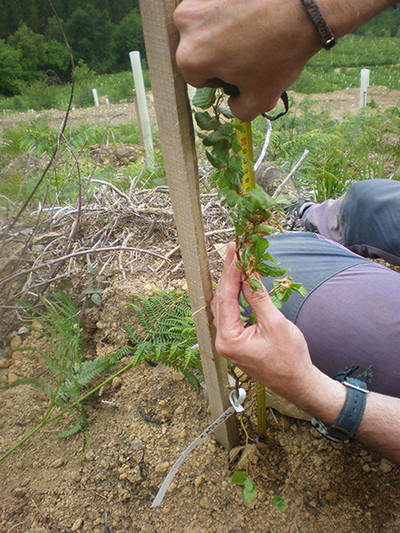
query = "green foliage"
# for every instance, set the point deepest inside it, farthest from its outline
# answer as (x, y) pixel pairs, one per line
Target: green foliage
(279, 503)
(339, 68)
(361, 146)
(126, 37)
(255, 214)
(10, 69)
(166, 333)
(249, 487)
(71, 373)
(89, 33)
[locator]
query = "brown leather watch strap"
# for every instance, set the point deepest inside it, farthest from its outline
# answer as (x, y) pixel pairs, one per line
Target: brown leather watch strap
(327, 38)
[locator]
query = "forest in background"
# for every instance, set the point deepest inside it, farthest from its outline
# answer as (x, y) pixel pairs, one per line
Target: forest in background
(100, 34)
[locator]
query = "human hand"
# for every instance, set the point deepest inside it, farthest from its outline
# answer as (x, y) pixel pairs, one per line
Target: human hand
(273, 351)
(258, 45)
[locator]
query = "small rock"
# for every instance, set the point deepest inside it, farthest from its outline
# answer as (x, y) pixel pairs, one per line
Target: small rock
(385, 465)
(116, 383)
(22, 330)
(15, 342)
(204, 502)
(20, 492)
(177, 376)
(162, 468)
(249, 457)
(77, 524)
(58, 463)
(366, 468)
(90, 455)
(11, 377)
(4, 363)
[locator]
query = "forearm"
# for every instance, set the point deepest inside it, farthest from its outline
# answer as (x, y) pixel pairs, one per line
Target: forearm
(344, 16)
(323, 398)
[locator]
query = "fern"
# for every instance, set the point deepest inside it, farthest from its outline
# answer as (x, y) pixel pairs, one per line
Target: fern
(71, 372)
(166, 334)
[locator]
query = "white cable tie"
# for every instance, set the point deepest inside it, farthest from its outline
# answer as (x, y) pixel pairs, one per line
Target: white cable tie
(236, 400)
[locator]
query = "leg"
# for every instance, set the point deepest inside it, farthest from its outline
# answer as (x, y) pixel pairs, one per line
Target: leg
(350, 316)
(366, 219)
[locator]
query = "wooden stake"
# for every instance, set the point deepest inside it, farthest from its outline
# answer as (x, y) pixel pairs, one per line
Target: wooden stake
(177, 141)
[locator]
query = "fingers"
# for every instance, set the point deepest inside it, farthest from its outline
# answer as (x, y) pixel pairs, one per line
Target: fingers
(268, 316)
(225, 306)
(248, 105)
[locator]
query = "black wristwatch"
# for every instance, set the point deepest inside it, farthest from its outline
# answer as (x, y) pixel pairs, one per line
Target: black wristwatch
(346, 424)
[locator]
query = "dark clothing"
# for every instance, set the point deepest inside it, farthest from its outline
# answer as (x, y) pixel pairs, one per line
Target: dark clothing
(351, 315)
(366, 219)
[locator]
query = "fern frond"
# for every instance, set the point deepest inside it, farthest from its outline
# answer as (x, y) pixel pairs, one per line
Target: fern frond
(166, 333)
(42, 385)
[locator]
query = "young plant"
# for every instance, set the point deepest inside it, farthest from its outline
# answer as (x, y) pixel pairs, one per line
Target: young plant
(249, 487)
(254, 213)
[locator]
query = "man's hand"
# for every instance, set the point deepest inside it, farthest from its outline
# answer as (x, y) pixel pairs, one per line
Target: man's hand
(260, 46)
(273, 350)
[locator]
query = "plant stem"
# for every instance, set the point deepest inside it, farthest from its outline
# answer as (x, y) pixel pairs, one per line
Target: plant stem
(47, 420)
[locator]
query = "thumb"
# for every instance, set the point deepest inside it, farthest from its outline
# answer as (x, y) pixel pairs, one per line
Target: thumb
(261, 304)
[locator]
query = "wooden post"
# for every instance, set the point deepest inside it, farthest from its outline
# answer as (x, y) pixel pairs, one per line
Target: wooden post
(364, 82)
(143, 113)
(177, 141)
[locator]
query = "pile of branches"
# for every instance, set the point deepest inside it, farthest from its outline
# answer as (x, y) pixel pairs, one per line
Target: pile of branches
(113, 230)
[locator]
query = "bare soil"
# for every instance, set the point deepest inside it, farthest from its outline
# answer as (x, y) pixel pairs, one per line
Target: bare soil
(53, 485)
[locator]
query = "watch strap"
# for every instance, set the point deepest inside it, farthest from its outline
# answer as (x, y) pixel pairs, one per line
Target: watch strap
(353, 409)
(350, 416)
(322, 27)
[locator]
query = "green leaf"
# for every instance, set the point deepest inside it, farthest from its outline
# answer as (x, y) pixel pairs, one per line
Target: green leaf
(279, 503)
(255, 284)
(96, 298)
(239, 477)
(204, 97)
(214, 161)
(250, 490)
(205, 121)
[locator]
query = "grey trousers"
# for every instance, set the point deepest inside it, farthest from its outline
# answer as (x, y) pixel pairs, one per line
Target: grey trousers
(366, 219)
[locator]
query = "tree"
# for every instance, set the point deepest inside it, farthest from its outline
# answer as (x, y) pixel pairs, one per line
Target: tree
(89, 33)
(126, 37)
(31, 46)
(10, 69)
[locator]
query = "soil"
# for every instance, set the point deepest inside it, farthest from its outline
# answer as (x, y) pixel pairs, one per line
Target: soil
(142, 422)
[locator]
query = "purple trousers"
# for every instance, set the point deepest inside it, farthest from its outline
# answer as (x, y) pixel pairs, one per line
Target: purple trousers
(351, 316)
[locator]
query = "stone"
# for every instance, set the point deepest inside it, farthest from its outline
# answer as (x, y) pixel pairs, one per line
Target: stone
(90, 455)
(77, 524)
(4, 363)
(385, 465)
(15, 342)
(58, 463)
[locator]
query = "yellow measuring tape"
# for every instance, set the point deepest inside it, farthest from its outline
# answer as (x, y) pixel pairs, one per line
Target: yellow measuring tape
(245, 138)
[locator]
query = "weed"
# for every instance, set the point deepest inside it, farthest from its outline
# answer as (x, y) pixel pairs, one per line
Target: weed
(249, 487)
(167, 334)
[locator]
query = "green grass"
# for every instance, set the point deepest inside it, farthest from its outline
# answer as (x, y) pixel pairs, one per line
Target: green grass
(26, 148)
(340, 67)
